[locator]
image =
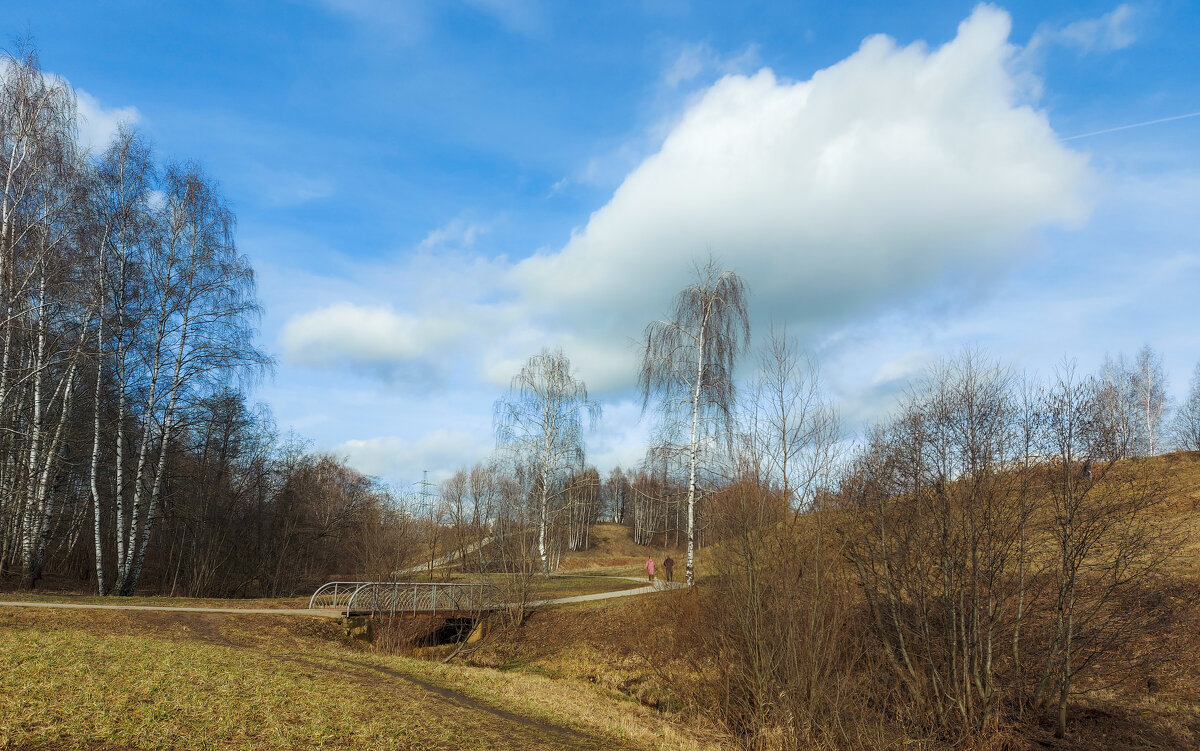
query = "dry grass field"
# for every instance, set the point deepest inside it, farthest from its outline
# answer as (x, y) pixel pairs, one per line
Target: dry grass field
(117, 680)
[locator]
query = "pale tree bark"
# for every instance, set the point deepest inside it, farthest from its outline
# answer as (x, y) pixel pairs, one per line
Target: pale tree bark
(541, 423)
(688, 364)
(199, 333)
(119, 206)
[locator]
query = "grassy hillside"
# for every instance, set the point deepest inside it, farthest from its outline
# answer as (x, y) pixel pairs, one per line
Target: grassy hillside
(108, 680)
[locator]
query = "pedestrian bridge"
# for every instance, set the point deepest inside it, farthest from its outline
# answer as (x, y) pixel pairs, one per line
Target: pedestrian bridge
(407, 598)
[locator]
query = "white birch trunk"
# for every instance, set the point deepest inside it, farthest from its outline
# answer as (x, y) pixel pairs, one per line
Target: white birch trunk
(30, 572)
(690, 574)
(94, 475)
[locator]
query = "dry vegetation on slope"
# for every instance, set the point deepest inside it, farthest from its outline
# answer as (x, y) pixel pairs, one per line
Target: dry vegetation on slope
(111, 680)
(645, 672)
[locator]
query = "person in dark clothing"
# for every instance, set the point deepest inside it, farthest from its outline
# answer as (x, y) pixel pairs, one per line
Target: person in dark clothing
(669, 567)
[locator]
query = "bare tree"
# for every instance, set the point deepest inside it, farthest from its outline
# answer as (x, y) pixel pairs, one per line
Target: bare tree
(197, 330)
(542, 420)
(780, 610)
(1131, 403)
(793, 430)
(120, 219)
(937, 540)
(688, 363)
(1116, 405)
(1108, 536)
(1150, 396)
(616, 495)
(1186, 426)
(40, 305)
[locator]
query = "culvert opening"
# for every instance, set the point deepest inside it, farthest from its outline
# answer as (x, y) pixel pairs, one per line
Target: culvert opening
(419, 631)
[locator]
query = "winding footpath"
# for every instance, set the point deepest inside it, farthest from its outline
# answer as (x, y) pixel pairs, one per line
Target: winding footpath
(658, 586)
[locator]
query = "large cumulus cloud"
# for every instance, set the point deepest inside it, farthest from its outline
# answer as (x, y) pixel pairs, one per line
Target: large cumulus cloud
(859, 186)
(834, 197)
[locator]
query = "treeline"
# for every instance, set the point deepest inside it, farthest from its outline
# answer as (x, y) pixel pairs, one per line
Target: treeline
(127, 322)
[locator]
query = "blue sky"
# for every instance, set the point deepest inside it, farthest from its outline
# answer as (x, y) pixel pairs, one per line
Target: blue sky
(432, 191)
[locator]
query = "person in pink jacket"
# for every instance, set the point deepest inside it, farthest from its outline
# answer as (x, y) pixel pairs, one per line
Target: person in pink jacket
(651, 567)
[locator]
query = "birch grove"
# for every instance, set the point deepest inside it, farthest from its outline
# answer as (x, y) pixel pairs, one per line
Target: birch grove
(541, 424)
(127, 317)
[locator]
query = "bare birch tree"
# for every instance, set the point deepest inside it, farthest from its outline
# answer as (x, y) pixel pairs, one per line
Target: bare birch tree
(1186, 426)
(197, 331)
(120, 222)
(1150, 396)
(40, 308)
(688, 364)
(542, 421)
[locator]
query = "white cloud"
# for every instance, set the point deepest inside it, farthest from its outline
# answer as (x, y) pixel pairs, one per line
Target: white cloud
(832, 196)
(457, 233)
(438, 451)
(98, 124)
(1110, 32)
(360, 336)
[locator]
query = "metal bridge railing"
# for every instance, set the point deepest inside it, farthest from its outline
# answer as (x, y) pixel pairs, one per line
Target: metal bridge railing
(333, 595)
(407, 598)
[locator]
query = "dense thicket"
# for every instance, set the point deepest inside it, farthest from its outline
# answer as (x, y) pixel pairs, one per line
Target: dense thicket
(994, 551)
(127, 318)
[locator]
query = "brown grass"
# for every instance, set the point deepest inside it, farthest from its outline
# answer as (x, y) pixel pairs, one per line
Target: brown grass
(112, 679)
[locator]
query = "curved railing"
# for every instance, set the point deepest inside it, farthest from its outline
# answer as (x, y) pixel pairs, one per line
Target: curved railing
(333, 595)
(407, 598)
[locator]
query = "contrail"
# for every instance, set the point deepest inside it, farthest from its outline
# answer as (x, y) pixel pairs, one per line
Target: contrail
(1135, 125)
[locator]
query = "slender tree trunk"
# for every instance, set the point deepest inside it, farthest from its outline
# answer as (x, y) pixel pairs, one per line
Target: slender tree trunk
(98, 540)
(690, 574)
(30, 567)
(41, 500)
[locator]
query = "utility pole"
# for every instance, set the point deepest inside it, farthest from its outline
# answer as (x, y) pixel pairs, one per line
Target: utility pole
(425, 485)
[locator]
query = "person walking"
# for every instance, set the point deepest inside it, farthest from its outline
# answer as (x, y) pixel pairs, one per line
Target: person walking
(669, 567)
(651, 567)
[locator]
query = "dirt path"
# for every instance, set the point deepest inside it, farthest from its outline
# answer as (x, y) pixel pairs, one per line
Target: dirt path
(177, 609)
(564, 737)
(569, 737)
(658, 586)
(442, 561)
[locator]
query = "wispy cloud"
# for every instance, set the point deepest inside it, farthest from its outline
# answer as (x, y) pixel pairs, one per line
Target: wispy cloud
(1107, 33)
(696, 60)
(1112, 31)
(457, 233)
(438, 451)
(285, 190)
